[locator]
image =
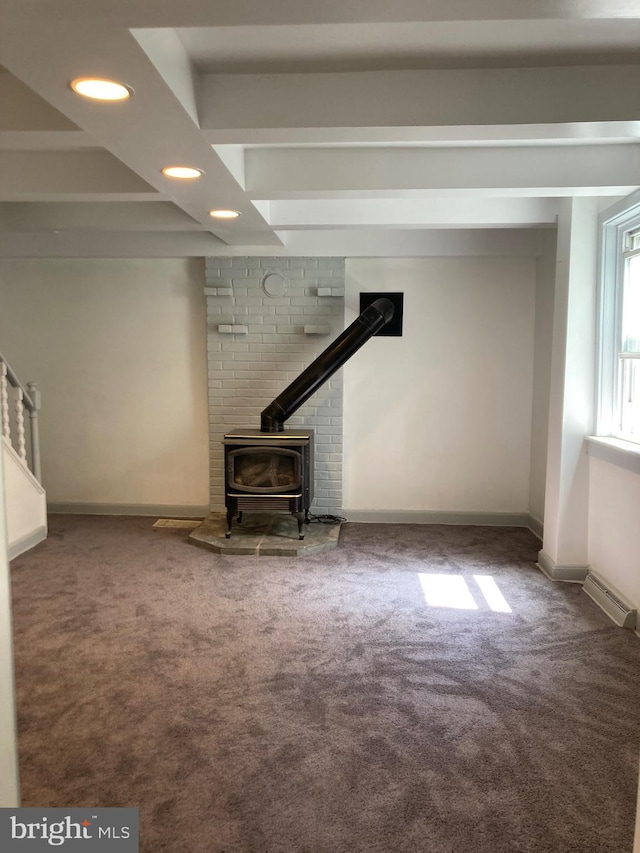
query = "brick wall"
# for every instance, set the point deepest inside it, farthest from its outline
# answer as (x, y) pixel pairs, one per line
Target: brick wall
(257, 344)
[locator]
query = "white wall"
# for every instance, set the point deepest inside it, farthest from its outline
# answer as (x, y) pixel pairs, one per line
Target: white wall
(440, 419)
(571, 399)
(118, 349)
(614, 533)
(545, 289)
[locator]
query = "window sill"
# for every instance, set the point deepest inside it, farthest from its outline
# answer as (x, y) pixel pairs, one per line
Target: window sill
(616, 451)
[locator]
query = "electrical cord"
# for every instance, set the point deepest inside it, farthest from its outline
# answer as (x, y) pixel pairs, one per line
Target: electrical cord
(326, 519)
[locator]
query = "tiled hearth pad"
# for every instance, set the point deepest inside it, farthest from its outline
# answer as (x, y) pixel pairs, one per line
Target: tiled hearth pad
(263, 534)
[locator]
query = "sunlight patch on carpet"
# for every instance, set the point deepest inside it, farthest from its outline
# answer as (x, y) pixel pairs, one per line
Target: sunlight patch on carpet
(492, 595)
(447, 591)
(453, 591)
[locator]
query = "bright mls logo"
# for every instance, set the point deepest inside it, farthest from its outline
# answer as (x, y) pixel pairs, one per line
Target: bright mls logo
(79, 830)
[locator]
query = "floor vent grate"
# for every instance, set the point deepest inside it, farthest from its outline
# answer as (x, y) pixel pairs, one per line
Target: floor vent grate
(616, 609)
(178, 523)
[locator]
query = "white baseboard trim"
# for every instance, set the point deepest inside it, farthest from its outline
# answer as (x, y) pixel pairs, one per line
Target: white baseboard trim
(25, 543)
(159, 510)
(536, 526)
(483, 519)
(555, 572)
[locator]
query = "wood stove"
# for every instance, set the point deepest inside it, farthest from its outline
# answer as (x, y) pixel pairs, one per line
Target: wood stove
(271, 469)
(268, 472)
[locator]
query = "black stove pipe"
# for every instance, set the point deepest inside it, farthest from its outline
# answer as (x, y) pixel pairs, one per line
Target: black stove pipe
(345, 345)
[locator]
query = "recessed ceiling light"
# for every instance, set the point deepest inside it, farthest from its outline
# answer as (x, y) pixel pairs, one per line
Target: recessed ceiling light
(101, 89)
(224, 214)
(183, 172)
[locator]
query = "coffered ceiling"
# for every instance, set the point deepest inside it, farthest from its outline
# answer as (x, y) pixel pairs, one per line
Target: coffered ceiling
(344, 127)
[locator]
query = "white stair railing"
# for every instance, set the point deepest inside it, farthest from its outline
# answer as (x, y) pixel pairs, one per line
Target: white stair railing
(13, 427)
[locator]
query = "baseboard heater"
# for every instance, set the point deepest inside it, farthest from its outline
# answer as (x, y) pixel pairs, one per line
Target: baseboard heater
(615, 608)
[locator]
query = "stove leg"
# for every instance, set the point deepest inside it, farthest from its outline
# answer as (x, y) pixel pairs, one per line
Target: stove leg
(300, 518)
(229, 523)
(240, 517)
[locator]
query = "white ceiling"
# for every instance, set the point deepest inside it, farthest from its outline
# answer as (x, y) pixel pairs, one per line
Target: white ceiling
(361, 127)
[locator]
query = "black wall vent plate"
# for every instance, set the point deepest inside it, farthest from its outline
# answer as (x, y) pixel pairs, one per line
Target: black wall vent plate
(393, 328)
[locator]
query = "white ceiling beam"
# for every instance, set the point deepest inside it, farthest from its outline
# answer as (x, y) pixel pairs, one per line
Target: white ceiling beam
(413, 243)
(107, 244)
(418, 99)
(121, 244)
(202, 13)
(168, 54)
(412, 213)
(562, 133)
(274, 173)
(366, 46)
(235, 237)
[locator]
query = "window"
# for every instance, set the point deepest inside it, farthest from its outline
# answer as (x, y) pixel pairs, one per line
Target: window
(629, 355)
(619, 350)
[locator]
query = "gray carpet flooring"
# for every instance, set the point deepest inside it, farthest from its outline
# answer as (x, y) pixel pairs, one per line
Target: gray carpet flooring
(384, 697)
